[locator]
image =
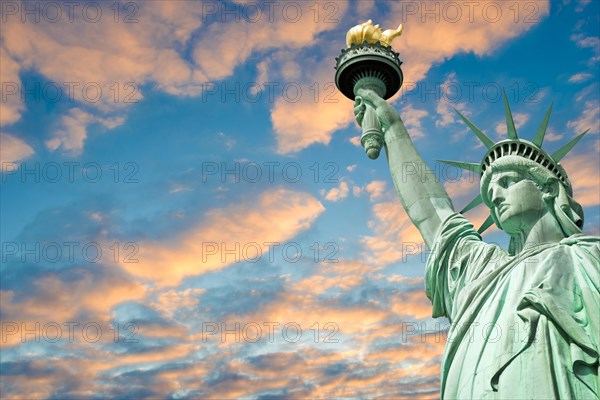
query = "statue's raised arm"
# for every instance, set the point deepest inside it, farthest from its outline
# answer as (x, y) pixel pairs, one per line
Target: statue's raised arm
(422, 196)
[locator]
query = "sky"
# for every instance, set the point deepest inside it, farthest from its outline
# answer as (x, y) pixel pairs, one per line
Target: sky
(187, 211)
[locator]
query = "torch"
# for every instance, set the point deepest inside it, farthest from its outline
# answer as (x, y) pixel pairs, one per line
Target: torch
(369, 62)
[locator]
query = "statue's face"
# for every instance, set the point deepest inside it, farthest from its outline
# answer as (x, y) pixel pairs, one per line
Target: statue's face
(516, 201)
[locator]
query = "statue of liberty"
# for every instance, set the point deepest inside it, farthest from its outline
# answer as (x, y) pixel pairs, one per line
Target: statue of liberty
(525, 323)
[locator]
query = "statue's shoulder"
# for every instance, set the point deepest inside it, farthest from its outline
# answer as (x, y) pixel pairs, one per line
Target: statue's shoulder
(581, 239)
(591, 244)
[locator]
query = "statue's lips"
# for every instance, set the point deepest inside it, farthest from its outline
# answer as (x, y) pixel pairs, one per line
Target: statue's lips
(502, 207)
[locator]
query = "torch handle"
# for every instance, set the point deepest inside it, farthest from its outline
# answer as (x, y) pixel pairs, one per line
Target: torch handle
(372, 136)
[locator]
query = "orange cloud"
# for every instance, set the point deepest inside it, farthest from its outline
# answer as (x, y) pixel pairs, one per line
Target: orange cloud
(375, 189)
(302, 121)
(395, 234)
(11, 105)
(430, 39)
(13, 150)
(585, 178)
(59, 301)
(345, 274)
(338, 193)
(228, 235)
(292, 25)
(102, 64)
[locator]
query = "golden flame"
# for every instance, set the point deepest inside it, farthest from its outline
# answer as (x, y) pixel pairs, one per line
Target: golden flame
(367, 32)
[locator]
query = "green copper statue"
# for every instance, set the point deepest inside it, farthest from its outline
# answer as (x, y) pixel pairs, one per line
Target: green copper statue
(525, 322)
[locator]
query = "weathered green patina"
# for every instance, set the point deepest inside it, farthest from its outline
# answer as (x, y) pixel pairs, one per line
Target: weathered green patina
(525, 321)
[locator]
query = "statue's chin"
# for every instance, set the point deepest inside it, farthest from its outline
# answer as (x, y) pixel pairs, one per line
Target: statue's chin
(510, 224)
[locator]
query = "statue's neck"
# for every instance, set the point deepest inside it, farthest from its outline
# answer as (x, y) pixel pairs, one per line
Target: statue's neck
(545, 230)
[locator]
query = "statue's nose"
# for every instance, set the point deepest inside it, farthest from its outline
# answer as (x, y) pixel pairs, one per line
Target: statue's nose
(497, 195)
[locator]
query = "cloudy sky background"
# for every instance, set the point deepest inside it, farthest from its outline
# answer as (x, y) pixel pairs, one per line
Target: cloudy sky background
(187, 211)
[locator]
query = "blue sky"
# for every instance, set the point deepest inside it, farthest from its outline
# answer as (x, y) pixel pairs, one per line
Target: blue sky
(187, 211)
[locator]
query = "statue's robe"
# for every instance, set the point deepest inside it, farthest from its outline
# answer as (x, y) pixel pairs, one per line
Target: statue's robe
(522, 327)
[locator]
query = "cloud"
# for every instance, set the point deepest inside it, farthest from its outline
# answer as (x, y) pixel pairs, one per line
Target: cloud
(585, 178)
(444, 108)
(101, 65)
(375, 189)
(519, 119)
(11, 105)
(581, 4)
(395, 236)
(105, 52)
(589, 118)
(74, 294)
(309, 112)
(463, 189)
(292, 25)
(552, 135)
(430, 39)
(71, 137)
(591, 42)
(422, 45)
(13, 149)
(171, 301)
(365, 6)
(580, 77)
(338, 193)
(412, 118)
(355, 140)
(226, 236)
(343, 275)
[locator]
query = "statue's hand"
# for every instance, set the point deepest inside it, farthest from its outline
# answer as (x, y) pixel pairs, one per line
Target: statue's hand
(386, 114)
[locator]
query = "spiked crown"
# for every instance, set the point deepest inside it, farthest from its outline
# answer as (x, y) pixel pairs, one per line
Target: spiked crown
(530, 151)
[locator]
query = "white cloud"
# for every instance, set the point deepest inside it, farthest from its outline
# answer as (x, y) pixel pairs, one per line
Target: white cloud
(591, 42)
(580, 77)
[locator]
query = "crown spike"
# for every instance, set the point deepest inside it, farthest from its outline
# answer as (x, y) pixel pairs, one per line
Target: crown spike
(474, 203)
(486, 224)
(482, 136)
(538, 139)
(469, 166)
(560, 153)
(510, 123)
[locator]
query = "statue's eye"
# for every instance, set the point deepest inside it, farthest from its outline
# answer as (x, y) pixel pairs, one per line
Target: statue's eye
(508, 181)
(511, 181)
